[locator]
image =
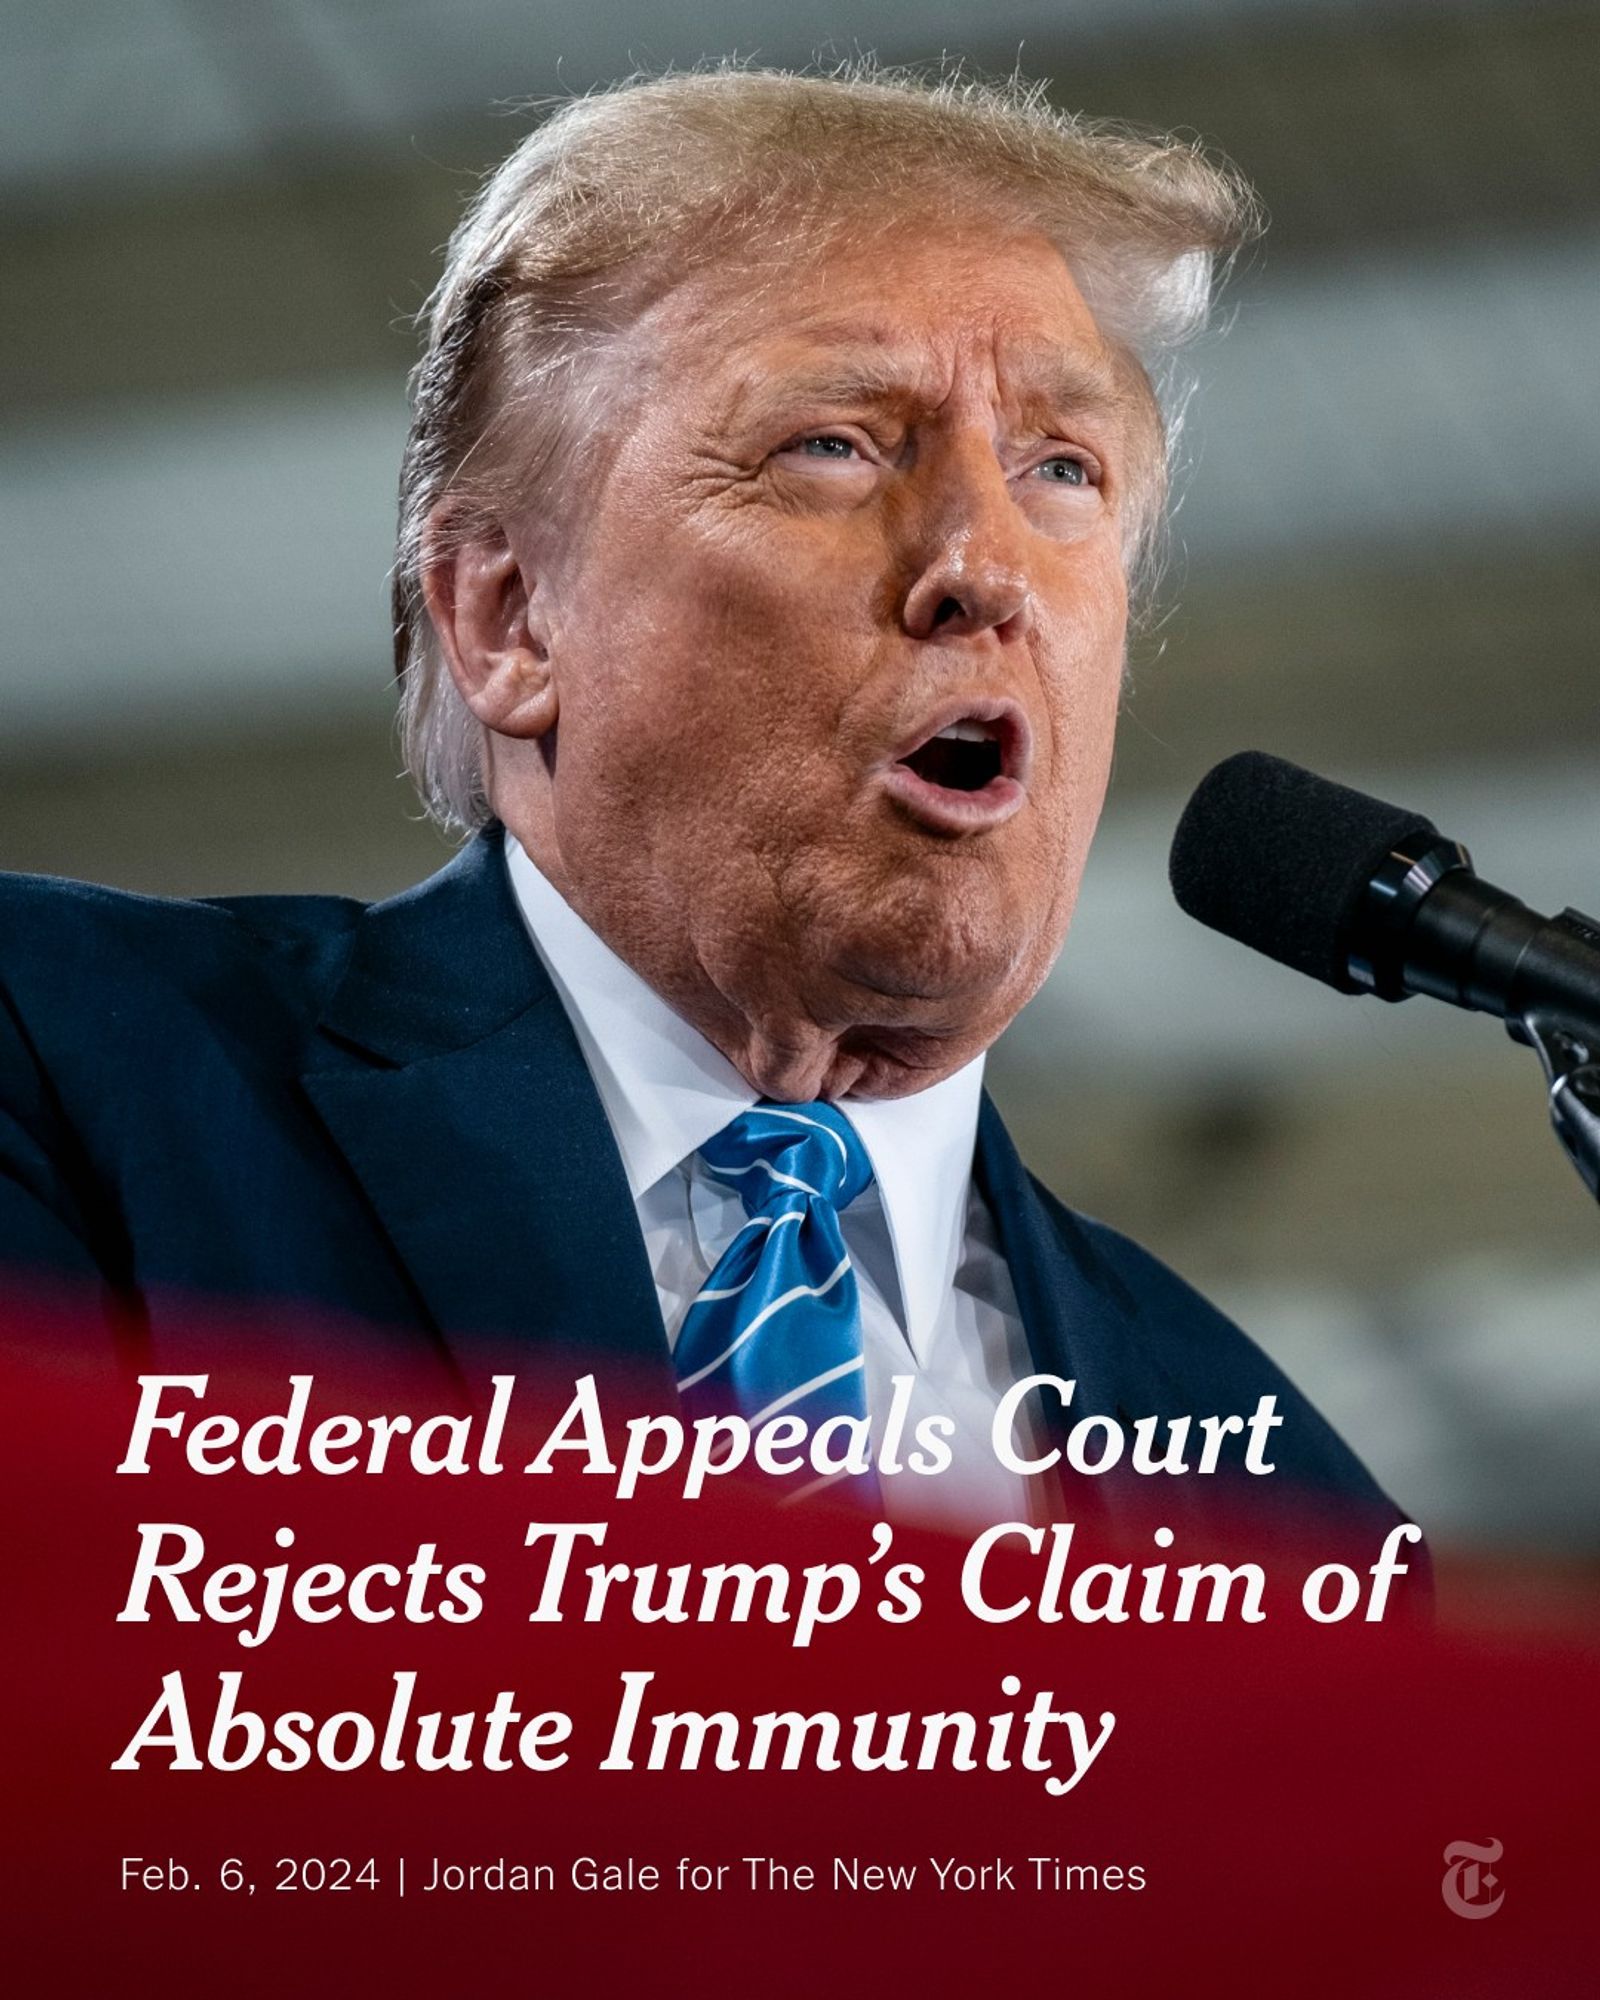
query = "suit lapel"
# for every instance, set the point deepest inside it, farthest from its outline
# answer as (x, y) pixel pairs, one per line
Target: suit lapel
(1081, 1321)
(1074, 1311)
(447, 1073)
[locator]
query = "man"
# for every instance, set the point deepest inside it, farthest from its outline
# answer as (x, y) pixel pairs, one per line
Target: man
(783, 452)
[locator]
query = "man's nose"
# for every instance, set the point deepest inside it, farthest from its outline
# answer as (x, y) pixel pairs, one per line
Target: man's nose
(967, 543)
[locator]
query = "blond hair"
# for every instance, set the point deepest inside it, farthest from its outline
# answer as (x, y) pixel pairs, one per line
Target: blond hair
(635, 185)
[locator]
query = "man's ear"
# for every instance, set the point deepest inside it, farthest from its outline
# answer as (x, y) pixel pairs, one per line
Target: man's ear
(491, 631)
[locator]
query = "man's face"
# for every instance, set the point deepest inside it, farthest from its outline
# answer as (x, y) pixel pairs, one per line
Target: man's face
(837, 644)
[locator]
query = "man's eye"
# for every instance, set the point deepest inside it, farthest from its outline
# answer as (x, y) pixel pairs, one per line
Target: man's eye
(1063, 471)
(826, 446)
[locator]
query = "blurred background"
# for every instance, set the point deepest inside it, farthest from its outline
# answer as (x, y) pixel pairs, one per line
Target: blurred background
(215, 222)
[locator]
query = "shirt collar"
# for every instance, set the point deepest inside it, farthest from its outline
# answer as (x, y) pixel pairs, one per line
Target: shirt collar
(666, 1091)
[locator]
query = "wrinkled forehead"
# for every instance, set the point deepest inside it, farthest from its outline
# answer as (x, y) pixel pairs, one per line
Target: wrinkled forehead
(869, 282)
(909, 371)
(895, 314)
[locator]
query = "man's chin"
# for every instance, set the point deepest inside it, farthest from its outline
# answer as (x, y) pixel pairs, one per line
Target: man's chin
(937, 972)
(908, 972)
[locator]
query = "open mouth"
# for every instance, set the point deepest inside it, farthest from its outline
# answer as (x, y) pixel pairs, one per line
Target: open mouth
(963, 758)
(966, 773)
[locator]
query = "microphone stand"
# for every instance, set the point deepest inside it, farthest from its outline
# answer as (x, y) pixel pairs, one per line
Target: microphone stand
(1571, 1061)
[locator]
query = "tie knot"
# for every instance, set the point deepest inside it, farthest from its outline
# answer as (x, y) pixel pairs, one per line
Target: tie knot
(778, 1156)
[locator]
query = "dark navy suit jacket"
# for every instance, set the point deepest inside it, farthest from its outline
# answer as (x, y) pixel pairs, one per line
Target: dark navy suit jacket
(381, 1113)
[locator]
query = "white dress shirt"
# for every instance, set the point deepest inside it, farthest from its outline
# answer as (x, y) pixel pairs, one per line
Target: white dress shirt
(936, 1298)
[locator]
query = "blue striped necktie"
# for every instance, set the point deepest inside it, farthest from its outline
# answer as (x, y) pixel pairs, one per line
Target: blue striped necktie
(777, 1325)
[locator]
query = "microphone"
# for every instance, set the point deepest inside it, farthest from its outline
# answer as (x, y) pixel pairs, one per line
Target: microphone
(1372, 898)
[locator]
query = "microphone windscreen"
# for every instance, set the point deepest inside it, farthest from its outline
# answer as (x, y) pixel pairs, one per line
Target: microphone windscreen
(1280, 859)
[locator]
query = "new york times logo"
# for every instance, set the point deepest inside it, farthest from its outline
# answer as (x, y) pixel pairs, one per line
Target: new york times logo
(1470, 1886)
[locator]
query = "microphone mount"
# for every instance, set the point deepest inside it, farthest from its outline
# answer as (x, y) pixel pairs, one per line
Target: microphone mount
(1490, 934)
(1572, 1071)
